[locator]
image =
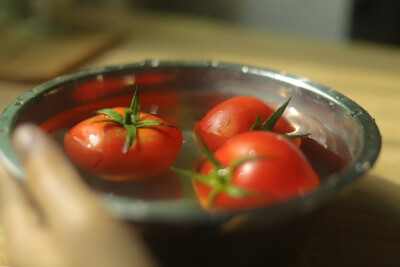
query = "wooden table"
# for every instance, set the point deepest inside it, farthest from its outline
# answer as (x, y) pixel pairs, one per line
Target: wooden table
(362, 227)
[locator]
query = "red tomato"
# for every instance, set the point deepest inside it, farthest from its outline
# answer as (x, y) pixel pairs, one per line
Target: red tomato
(163, 102)
(98, 147)
(69, 118)
(278, 172)
(234, 116)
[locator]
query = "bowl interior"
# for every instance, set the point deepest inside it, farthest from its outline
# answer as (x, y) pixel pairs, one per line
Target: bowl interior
(345, 142)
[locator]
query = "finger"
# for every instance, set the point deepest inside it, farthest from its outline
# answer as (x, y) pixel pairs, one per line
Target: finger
(71, 207)
(16, 210)
(19, 218)
(54, 182)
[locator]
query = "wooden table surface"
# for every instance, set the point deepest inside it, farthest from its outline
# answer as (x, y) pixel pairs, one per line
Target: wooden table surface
(360, 228)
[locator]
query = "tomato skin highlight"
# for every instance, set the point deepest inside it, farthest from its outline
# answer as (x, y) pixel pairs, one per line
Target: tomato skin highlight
(282, 172)
(97, 147)
(235, 116)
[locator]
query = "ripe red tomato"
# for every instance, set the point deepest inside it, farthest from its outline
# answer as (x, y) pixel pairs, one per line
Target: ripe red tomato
(276, 171)
(97, 146)
(163, 102)
(70, 117)
(234, 116)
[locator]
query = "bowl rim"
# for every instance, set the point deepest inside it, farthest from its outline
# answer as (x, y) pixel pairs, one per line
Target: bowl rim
(122, 206)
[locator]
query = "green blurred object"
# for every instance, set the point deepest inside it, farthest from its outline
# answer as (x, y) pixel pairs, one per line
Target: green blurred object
(21, 19)
(9, 17)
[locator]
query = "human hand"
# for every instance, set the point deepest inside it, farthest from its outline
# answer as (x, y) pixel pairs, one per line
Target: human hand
(51, 219)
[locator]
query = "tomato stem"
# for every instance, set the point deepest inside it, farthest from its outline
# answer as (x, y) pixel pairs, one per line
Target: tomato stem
(207, 152)
(219, 179)
(135, 106)
(256, 124)
(272, 120)
(128, 117)
(213, 194)
(197, 176)
(130, 121)
(294, 136)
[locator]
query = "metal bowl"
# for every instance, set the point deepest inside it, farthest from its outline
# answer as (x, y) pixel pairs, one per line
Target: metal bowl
(188, 90)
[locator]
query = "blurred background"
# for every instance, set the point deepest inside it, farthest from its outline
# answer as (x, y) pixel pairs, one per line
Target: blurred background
(338, 20)
(352, 46)
(63, 34)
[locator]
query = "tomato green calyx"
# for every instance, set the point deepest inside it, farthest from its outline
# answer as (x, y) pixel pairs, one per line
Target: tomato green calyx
(294, 136)
(219, 179)
(270, 122)
(130, 121)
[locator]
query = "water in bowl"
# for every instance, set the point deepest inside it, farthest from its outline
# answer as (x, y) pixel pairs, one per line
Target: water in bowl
(183, 109)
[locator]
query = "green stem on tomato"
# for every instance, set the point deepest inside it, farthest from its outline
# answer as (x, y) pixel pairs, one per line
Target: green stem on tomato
(135, 106)
(207, 152)
(219, 179)
(256, 124)
(272, 120)
(213, 194)
(130, 121)
(294, 136)
(197, 176)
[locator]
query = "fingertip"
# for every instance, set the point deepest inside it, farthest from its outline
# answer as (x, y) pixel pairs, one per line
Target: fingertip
(10, 191)
(3, 180)
(26, 139)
